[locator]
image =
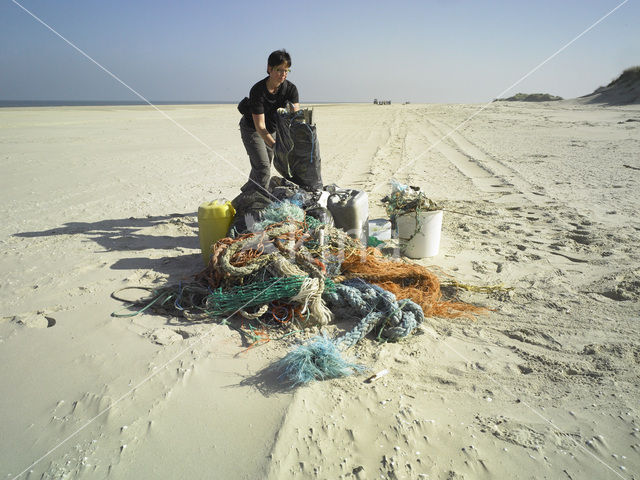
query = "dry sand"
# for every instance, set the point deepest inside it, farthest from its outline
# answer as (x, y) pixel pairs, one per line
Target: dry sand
(95, 199)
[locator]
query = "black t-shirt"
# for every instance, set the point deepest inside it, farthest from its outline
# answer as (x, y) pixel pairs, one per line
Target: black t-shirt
(261, 101)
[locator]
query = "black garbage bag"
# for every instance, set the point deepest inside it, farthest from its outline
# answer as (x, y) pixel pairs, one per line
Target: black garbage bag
(251, 204)
(297, 151)
(249, 207)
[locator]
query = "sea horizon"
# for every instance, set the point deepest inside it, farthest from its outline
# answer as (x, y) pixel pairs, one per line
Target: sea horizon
(113, 103)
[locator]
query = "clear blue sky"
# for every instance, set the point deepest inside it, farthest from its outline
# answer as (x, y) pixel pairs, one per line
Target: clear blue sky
(422, 51)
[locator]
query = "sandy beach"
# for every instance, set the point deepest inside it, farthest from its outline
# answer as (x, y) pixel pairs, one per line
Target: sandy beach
(541, 198)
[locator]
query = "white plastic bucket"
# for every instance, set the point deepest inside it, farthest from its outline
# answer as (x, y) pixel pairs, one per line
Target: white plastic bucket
(422, 238)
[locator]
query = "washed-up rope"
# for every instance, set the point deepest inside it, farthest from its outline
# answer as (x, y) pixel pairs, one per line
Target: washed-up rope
(216, 302)
(220, 302)
(290, 259)
(303, 258)
(278, 212)
(310, 294)
(406, 280)
(321, 358)
(245, 249)
(376, 307)
(257, 314)
(258, 261)
(174, 297)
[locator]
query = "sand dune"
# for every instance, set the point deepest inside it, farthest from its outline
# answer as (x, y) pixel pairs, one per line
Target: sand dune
(544, 386)
(624, 90)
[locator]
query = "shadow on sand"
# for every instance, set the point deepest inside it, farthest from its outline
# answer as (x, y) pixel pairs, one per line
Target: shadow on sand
(139, 235)
(268, 382)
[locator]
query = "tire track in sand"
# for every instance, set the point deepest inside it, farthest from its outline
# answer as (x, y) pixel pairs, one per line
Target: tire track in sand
(487, 174)
(391, 155)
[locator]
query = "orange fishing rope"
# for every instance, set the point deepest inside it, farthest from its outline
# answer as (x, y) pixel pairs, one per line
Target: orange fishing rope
(406, 280)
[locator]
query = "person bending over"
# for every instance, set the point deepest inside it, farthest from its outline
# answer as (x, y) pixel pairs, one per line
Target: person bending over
(258, 125)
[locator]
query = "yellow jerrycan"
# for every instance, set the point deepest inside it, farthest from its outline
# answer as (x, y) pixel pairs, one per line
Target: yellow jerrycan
(214, 220)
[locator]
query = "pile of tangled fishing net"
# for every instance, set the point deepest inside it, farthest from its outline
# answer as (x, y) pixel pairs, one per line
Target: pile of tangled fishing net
(293, 272)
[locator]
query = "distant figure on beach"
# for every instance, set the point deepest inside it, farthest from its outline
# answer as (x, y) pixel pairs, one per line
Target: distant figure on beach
(258, 123)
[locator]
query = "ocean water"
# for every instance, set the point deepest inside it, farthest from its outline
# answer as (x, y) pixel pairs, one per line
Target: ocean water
(110, 103)
(101, 103)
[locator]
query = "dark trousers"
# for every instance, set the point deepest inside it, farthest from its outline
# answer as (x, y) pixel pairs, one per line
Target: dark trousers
(260, 157)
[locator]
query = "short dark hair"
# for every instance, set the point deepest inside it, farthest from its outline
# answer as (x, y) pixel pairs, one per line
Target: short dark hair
(278, 58)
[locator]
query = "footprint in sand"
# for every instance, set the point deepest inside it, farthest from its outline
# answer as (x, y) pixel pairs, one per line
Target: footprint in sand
(473, 460)
(534, 337)
(34, 320)
(581, 236)
(620, 286)
(513, 432)
(166, 336)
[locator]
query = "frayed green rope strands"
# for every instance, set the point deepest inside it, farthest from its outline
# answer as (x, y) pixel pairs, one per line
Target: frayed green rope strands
(279, 212)
(223, 302)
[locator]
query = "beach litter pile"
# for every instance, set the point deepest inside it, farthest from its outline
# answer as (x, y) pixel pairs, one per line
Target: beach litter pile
(286, 267)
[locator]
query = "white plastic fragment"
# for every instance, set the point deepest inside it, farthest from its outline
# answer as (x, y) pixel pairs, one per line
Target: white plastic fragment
(377, 376)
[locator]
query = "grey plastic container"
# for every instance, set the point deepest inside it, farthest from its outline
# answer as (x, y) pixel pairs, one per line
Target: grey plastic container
(350, 210)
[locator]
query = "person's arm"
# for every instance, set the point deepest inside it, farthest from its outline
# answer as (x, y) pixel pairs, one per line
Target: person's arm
(261, 128)
(296, 107)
